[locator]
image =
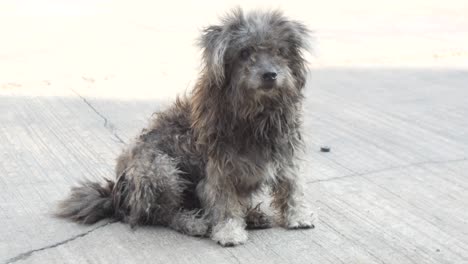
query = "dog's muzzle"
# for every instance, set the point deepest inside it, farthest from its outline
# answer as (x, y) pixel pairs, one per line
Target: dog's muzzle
(269, 80)
(269, 76)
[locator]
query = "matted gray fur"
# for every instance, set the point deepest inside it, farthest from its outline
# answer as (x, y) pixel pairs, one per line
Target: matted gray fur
(197, 165)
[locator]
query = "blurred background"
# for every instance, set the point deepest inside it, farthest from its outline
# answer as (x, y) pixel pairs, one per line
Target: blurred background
(131, 48)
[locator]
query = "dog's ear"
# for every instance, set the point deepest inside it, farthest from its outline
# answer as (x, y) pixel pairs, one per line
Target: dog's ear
(214, 45)
(300, 40)
(302, 36)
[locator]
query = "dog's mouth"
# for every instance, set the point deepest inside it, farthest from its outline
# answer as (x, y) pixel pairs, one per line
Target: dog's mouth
(268, 86)
(267, 91)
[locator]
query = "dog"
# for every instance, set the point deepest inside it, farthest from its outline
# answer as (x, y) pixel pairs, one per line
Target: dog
(198, 163)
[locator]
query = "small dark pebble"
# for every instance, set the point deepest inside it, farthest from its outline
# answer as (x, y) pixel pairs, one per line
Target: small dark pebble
(437, 250)
(325, 149)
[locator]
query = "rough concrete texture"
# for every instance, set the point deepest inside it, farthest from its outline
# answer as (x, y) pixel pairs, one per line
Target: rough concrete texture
(388, 92)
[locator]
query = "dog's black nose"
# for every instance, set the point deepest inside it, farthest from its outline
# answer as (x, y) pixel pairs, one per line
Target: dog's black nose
(269, 76)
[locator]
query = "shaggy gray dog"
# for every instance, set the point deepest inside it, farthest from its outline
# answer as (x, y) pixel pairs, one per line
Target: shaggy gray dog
(197, 165)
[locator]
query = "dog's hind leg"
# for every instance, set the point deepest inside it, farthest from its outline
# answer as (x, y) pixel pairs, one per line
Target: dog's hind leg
(256, 218)
(149, 189)
(259, 215)
(193, 223)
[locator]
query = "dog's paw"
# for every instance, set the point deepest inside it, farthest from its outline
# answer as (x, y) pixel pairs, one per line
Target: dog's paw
(301, 220)
(197, 229)
(256, 219)
(229, 233)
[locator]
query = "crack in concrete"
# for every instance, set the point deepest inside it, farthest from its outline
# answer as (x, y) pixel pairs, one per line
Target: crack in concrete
(416, 164)
(108, 125)
(27, 254)
(234, 256)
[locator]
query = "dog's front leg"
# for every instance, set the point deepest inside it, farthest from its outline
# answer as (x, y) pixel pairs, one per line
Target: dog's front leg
(288, 198)
(220, 199)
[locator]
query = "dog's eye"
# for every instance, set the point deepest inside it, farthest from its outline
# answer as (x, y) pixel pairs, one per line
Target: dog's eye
(282, 51)
(245, 54)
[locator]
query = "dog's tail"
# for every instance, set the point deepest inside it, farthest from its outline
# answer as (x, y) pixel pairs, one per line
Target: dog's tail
(88, 203)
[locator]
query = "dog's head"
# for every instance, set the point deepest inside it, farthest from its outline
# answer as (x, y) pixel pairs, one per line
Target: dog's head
(255, 54)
